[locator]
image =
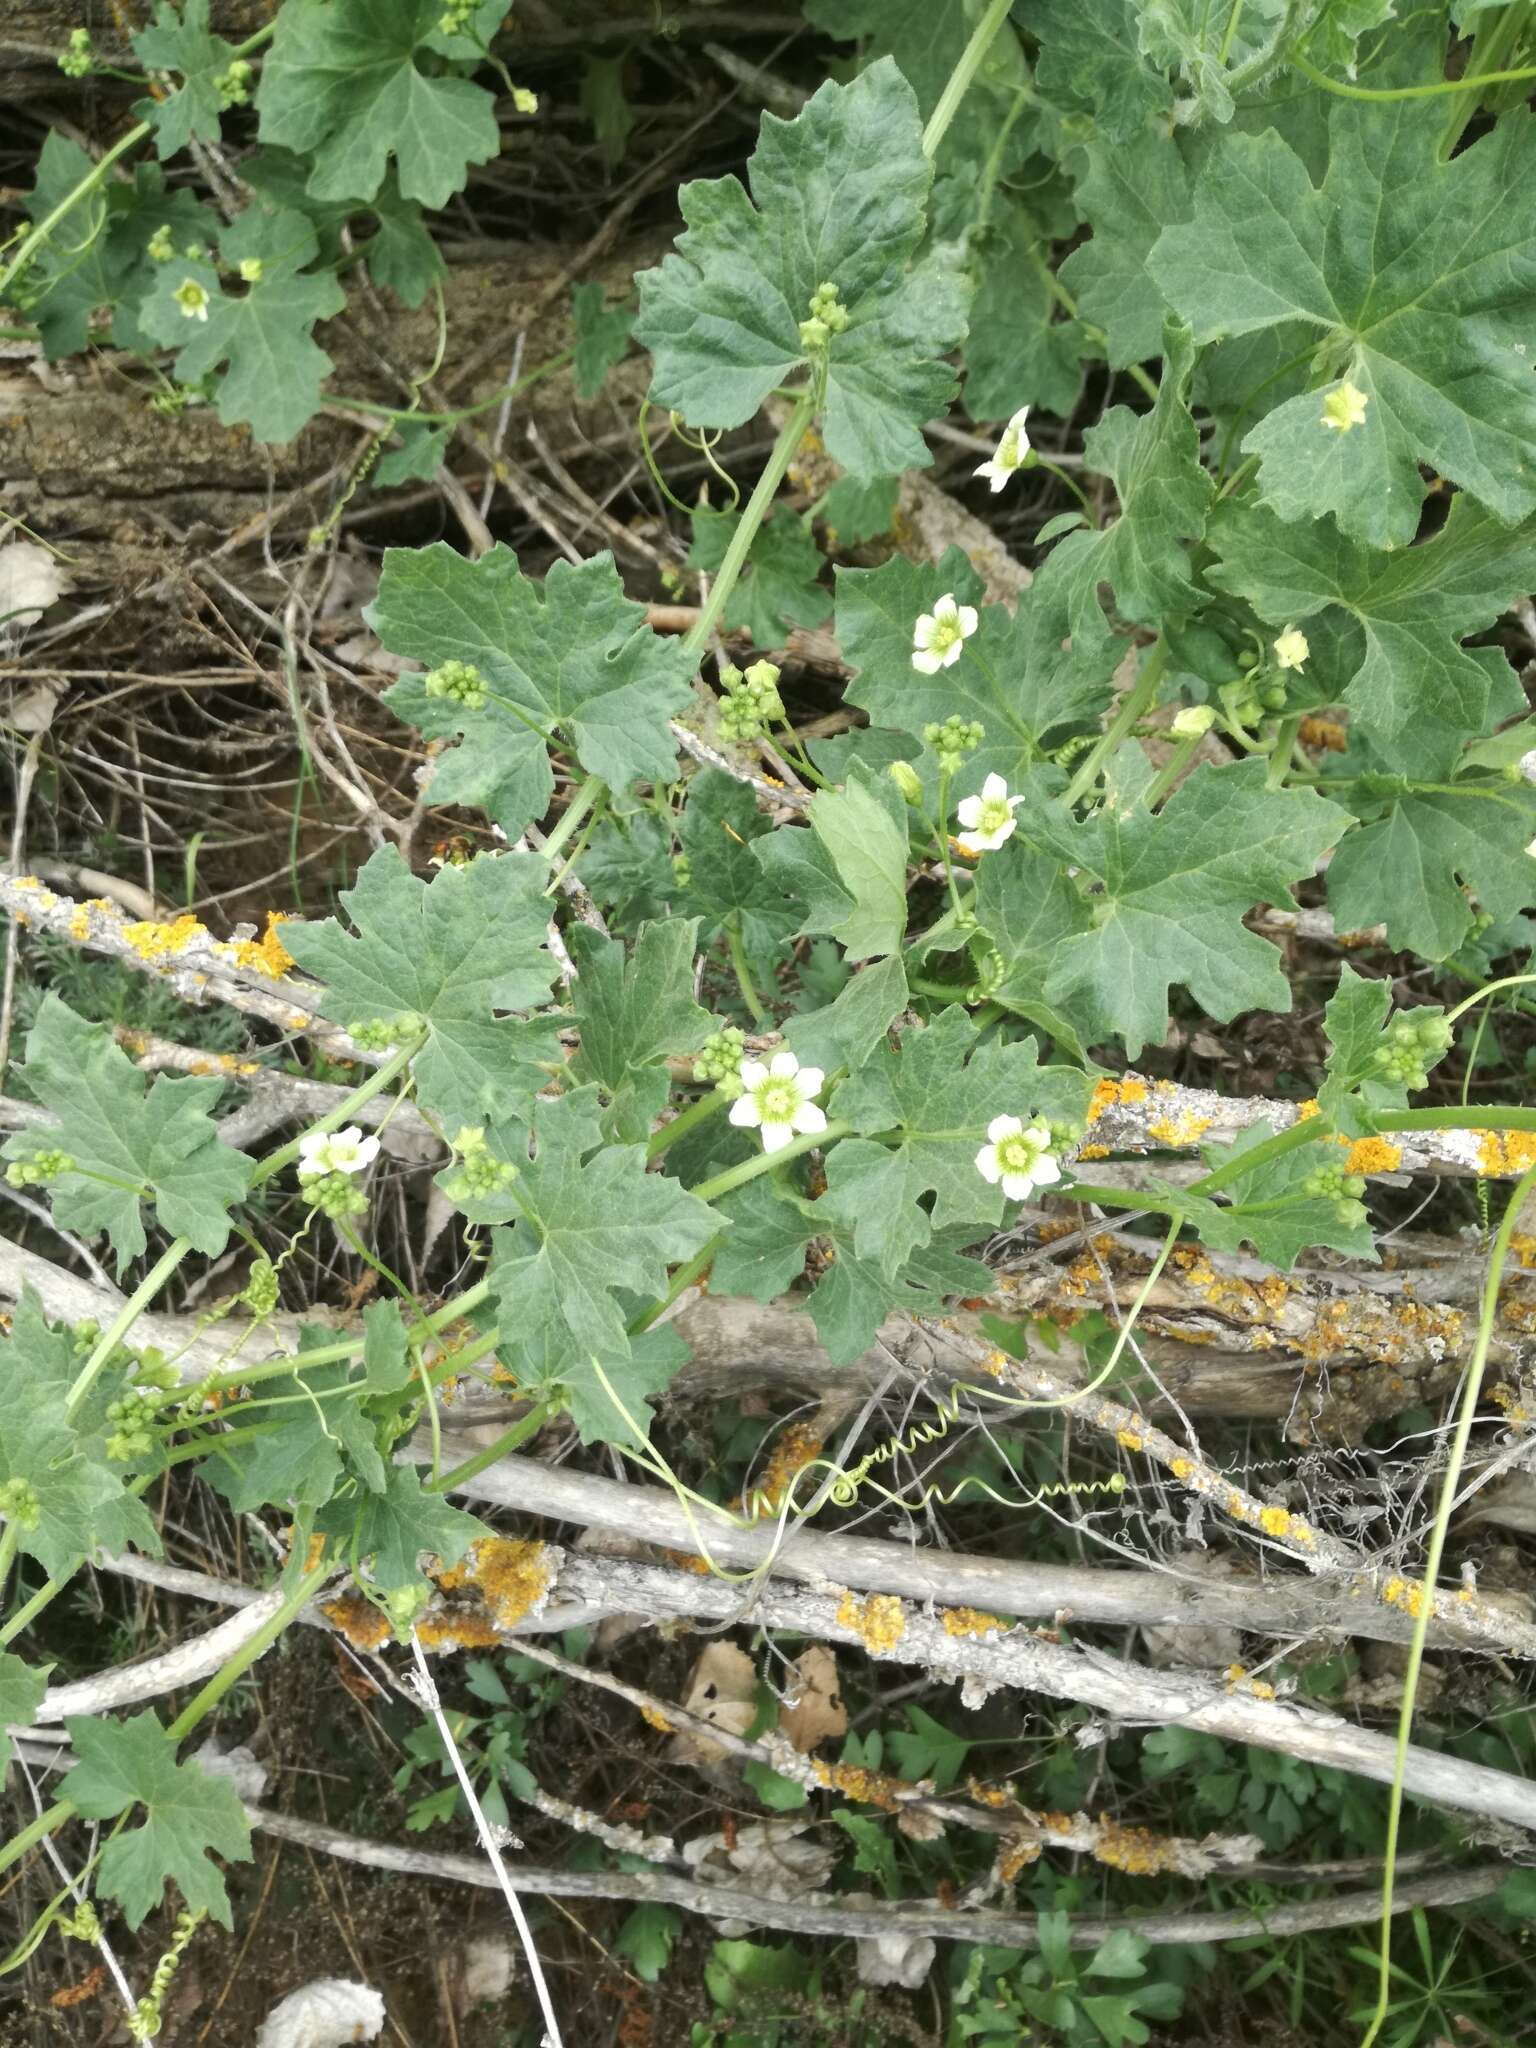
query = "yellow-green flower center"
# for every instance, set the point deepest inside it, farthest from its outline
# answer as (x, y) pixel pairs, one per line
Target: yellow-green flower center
(946, 632)
(777, 1100)
(995, 814)
(1018, 1154)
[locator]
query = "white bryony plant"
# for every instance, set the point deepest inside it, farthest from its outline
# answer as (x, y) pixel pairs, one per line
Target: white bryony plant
(779, 1099)
(326, 1152)
(939, 637)
(988, 819)
(1017, 1155)
(1010, 454)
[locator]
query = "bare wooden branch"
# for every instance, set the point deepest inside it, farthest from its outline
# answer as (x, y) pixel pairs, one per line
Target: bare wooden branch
(851, 1923)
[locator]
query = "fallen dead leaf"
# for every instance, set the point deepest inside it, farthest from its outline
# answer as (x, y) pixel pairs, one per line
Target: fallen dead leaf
(818, 1713)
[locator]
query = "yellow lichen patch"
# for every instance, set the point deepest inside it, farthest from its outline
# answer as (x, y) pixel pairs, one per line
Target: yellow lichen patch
(970, 1621)
(80, 924)
(1505, 1151)
(266, 955)
(1306, 1109)
(1373, 1155)
(1407, 1594)
(990, 1795)
(1019, 1857)
(1325, 734)
(358, 1620)
(154, 941)
(687, 1561)
(878, 1622)
(1275, 1521)
(995, 1363)
(1516, 1413)
(654, 1718)
(1093, 1151)
(1181, 1468)
(513, 1576)
(1524, 1249)
(870, 1788)
(1128, 1440)
(1187, 1127)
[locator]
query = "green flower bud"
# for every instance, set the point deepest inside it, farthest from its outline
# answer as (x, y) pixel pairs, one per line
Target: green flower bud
(814, 334)
(233, 85)
(77, 59)
(718, 1059)
(459, 682)
(160, 248)
(1193, 721)
(19, 1503)
(907, 780)
(337, 1195)
(479, 1174)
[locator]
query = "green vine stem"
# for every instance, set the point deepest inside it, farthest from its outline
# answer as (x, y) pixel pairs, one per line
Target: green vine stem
(781, 455)
(1136, 701)
(1471, 1387)
(972, 58)
(1407, 92)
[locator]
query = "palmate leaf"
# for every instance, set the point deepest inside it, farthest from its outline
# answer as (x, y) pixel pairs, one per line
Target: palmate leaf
(1128, 192)
(309, 1438)
(458, 951)
(837, 198)
(553, 1368)
(634, 1012)
(342, 82)
(602, 336)
(180, 42)
(1020, 350)
(587, 1227)
(70, 279)
(1271, 1210)
(1172, 892)
(726, 884)
(1164, 493)
(188, 1813)
(131, 1143)
(569, 655)
(847, 1030)
(1406, 868)
(937, 1093)
(1091, 62)
(1015, 678)
(21, 1694)
(778, 588)
(1417, 694)
(849, 869)
(389, 1530)
(261, 333)
(1417, 279)
(1354, 1085)
(771, 1229)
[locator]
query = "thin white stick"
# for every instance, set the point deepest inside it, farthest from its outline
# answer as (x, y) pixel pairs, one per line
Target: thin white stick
(426, 1692)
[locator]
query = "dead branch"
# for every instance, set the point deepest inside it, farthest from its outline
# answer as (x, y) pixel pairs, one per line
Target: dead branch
(853, 1923)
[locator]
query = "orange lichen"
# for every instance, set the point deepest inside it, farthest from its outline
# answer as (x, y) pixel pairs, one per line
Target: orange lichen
(879, 1621)
(154, 941)
(1524, 1249)
(990, 1795)
(459, 1629)
(1186, 1127)
(1238, 1680)
(266, 955)
(1094, 1151)
(1323, 733)
(970, 1621)
(358, 1620)
(791, 1454)
(1128, 1440)
(1111, 1094)
(870, 1788)
(513, 1576)
(654, 1718)
(1136, 1851)
(1505, 1151)
(1373, 1155)
(687, 1561)
(1019, 1857)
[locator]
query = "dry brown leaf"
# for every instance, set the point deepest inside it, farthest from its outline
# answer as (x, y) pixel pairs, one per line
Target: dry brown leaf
(722, 1690)
(818, 1712)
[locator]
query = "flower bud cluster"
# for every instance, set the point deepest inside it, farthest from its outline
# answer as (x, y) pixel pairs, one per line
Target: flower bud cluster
(751, 702)
(828, 316)
(953, 740)
(460, 682)
(1415, 1041)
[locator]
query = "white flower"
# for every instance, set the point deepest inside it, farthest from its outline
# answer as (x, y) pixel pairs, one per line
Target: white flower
(1291, 649)
(779, 1100)
(1344, 408)
(988, 818)
(939, 637)
(1011, 451)
(1018, 1155)
(323, 1152)
(1531, 849)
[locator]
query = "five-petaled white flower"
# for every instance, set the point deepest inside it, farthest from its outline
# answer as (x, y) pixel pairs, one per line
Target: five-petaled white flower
(1291, 649)
(778, 1100)
(1011, 451)
(1344, 408)
(192, 299)
(1531, 849)
(326, 1152)
(988, 819)
(939, 637)
(1018, 1155)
